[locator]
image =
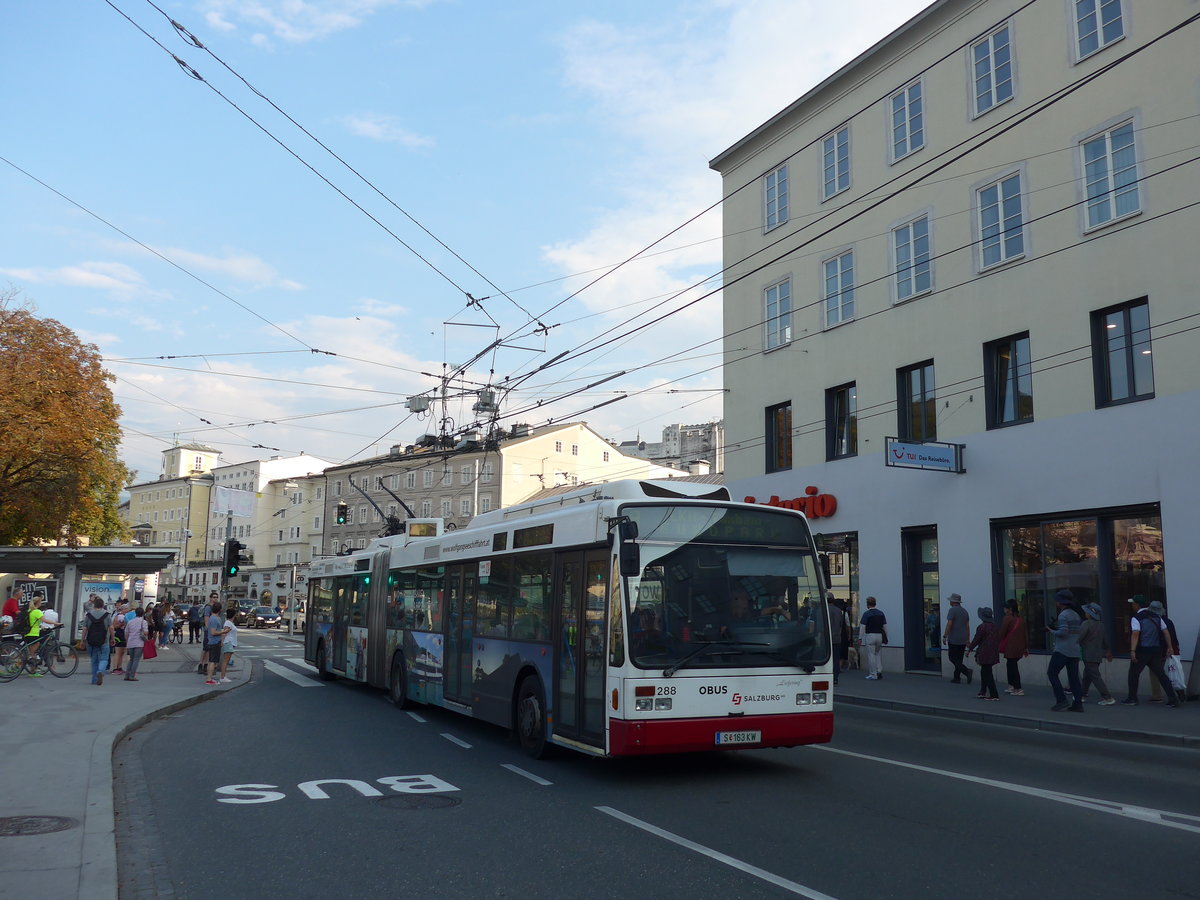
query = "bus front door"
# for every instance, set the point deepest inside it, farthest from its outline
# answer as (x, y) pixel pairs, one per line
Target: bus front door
(460, 632)
(581, 600)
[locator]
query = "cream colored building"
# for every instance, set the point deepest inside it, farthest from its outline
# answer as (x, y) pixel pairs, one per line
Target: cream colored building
(981, 233)
(473, 477)
(172, 511)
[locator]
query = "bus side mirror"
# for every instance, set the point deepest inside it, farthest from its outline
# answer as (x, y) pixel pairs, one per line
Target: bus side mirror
(628, 552)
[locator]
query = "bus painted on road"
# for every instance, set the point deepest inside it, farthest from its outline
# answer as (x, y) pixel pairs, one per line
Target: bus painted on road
(627, 618)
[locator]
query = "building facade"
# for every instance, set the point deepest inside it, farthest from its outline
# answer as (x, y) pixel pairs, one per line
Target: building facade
(683, 447)
(474, 477)
(968, 261)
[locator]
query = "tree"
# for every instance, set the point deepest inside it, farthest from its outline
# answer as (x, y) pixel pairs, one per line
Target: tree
(60, 476)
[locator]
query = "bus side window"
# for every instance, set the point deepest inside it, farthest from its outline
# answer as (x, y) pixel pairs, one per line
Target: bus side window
(494, 613)
(533, 577)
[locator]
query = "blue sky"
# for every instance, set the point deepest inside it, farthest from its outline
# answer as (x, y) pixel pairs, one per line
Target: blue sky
(541, 142)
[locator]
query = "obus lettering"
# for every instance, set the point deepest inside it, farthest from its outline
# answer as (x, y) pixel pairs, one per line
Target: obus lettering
(714, 689)
(315, 790)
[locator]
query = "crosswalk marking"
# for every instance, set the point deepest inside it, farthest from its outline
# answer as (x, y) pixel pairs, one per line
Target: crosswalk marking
(290, 675)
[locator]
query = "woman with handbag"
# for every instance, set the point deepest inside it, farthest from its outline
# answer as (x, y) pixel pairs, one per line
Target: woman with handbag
(1014, 644)
(136, 635)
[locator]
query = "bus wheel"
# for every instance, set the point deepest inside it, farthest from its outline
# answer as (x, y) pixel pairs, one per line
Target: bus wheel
(323, 664)
(398, 683)
(531, 717)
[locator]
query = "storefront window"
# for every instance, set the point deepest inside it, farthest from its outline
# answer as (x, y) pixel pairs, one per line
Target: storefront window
(1104, 558)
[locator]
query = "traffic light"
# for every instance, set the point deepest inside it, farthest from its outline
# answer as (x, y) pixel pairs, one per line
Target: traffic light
(233, 556)
(341, 512)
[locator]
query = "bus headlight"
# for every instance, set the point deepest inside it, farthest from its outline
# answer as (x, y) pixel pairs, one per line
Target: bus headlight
(662, 702)
(803, 699)
(820, 697)
(643, 704)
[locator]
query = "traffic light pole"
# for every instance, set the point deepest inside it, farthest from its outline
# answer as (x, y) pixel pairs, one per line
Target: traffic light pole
(224, 568)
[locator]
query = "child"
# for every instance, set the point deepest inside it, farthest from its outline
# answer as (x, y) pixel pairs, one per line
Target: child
(986, 645)
(228, 646)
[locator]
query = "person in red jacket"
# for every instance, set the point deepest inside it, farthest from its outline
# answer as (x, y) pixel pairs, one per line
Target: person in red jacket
(12, 606)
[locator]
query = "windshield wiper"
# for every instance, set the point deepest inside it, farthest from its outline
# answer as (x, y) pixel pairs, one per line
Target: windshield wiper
(671, 670)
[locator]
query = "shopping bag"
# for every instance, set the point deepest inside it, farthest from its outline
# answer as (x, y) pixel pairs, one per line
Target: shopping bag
(1174, 669)
(149, 651)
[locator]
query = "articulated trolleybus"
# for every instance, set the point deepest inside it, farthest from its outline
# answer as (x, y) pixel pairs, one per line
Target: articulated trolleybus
(627, 618)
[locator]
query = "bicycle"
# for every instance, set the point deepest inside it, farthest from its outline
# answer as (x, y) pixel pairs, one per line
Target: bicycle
(176, 633)
(60, 659)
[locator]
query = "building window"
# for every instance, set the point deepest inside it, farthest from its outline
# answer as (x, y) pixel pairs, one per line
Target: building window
(362, 515)
(1008, 381)
(465, 506)
(558, 446)
(428, 478)
(914, 272)
(316, 523)
(916, 404)
(394, 482)
(410, 480)
(1097, 24)
(447, 477)
(775, 197)
(464, 474)
(1121, 354)
(992, 69)
(426, 508)
(379, 482)
(841, 421)
(835, 162)
(349, 515)
(779, 437)
(908, 121)
(604, 456)
(485, 503)
(839, 288)
(574, 449)
(1110, 176)
(778, 302)
(447, 505)
(1001, 224)
(487, 473)
(337, 489)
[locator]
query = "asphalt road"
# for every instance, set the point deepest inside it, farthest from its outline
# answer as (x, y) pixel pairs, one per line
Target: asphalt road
(231, 798)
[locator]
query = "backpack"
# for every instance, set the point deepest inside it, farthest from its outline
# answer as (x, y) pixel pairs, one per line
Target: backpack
(21, 622)
(97, 631)
(1150, 636)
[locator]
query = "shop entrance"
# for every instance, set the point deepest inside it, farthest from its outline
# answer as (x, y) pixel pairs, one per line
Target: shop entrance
(922, 595)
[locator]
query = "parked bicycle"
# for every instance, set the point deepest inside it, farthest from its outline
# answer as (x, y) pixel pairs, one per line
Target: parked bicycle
(45, 653)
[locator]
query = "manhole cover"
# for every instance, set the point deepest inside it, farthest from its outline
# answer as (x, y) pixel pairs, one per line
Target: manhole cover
(13, 826)
(416, 801)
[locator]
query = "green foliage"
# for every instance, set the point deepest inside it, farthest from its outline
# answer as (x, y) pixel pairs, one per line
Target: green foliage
(60, 476)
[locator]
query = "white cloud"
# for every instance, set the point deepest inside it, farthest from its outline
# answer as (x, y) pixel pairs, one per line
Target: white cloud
(373, 307)
(385, 128)
(119, 280)
(296, 21)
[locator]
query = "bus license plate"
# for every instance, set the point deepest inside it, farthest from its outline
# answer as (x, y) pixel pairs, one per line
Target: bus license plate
(739, 737)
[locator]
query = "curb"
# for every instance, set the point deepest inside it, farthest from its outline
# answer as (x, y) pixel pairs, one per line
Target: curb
(1184, 741)
(98, 866)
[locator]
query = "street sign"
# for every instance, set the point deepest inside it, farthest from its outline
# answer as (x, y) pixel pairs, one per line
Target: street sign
(936, 455)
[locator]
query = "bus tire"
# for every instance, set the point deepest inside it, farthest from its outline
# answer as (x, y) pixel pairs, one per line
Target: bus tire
(323, 664)
(531, 717)
(398, 684)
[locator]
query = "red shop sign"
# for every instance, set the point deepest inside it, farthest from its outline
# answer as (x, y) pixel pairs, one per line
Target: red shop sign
(813, 504)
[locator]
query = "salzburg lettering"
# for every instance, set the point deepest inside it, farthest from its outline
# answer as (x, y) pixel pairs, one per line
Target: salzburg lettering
(813, 504)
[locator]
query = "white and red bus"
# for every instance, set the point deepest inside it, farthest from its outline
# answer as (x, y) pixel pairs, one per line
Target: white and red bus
(625, 618)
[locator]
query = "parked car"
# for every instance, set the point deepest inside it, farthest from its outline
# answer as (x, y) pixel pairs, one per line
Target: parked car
(264, 617)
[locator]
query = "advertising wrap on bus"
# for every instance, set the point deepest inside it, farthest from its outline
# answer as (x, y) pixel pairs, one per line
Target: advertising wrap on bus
(626, 618)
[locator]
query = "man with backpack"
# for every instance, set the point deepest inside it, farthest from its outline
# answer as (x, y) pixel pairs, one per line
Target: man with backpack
(1148, 642)
(97, 633)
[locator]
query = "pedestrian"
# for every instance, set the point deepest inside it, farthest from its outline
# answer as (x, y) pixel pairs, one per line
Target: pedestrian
(1066, 654)
(986, 645)
(837, 629)
(933, 627)
(1172, 648)
(213, 629)
(1093, 647)
(12, 607)
(168, 624)
(1014, 645)
(956, 636)
(229, 644)
(97, 635)
(120, 620)
(1149, 642)
(872, 635)
(195, 621)
(137, 632)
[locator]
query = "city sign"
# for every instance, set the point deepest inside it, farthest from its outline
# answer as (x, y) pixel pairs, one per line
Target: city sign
(936, 455)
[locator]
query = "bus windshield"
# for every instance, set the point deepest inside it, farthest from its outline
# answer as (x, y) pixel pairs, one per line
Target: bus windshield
(724, 587)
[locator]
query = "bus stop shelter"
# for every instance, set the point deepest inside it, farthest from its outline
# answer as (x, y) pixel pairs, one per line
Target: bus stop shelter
(70, 564)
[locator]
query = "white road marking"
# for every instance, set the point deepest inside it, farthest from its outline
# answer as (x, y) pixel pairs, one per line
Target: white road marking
(452, 739)
(293, 677)
(1166, 818)
(417, 718)
(717, 856)
(534, 778)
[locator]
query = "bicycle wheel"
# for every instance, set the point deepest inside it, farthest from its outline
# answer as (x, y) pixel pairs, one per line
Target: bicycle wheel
(12, 660)
(62, 660)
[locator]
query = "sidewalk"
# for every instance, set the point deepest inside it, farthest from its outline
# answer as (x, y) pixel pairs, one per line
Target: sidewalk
(56, 746)
(933, 695)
